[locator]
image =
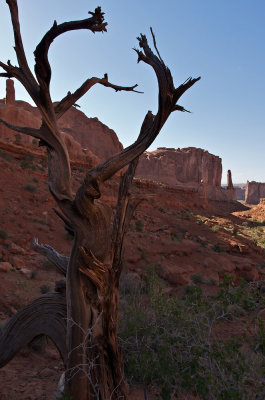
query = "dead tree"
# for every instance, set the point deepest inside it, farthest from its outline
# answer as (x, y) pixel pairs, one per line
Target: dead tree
(83, 319)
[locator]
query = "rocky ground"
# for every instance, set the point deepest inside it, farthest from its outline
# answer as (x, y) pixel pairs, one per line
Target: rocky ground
(185, 238)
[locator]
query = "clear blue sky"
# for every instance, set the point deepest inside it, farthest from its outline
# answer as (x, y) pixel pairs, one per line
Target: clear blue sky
(221, 41)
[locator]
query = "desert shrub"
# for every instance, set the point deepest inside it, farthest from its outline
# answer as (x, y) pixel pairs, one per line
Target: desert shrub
(139, 225)
(6, 156)
(39, 221)
(215, 228)
(30, 188)
(3, 234)
(197, 278)
(168, 343)
(218, 248)
(27, 162)
(45, 289)
(48, 265)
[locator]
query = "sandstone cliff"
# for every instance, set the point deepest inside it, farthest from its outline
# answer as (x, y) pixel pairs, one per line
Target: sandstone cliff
(189, 167)
(85, 137)
(254, 192)
(89, 139)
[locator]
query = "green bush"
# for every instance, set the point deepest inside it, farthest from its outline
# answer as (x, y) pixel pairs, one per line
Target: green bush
(169, 347)
(215, 228)
(3, 234)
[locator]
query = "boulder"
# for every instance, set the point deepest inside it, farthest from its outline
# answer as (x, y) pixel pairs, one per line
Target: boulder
(5, 266)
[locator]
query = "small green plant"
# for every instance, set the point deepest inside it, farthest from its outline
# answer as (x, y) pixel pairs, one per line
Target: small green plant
(3, 234)
(47, 265)
(218, 248)
(45, 289)
(27, 162)
(197, 278)
(215, 228)
(39, 221)
(30, 188)
(6, 156)
(139, 225)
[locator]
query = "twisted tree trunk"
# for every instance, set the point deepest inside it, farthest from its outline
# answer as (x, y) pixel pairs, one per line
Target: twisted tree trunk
(84, 322)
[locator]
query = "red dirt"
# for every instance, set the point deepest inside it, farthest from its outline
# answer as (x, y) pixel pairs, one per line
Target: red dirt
(174, 230)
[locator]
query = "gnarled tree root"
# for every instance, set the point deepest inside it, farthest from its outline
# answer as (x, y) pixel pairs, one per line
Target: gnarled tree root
(44, 316)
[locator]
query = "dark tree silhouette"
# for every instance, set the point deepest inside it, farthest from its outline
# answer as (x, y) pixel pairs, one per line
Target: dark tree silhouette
(81, 317)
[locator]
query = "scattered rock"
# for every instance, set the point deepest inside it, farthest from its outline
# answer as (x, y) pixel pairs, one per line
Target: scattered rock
(17, 262)
(5, 266)
(15, 249)
(27, 272)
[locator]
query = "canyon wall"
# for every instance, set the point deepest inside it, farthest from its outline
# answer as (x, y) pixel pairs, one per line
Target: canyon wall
(254, 192)
(85, 137)
(89, 139)
(188, 167)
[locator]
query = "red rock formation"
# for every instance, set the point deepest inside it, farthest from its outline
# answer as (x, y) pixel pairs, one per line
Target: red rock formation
(189, 167)
(254, 192)
(229, 180)
(180, 166)
(10, 92)
(90, 133)
(91, 138)
(230, 187)
(88, 138)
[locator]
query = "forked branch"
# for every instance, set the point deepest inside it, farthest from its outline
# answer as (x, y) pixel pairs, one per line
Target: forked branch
(72, 98)
(167, 98)
(42, 66)
(59, 261)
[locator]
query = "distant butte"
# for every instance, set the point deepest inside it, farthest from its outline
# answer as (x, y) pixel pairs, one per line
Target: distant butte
(88, 138)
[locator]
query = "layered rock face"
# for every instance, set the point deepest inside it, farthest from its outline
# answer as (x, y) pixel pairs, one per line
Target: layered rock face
(89, 139)
(85, 137)
(180, 166)
(188, 167)
(254, 192)
(90, 133)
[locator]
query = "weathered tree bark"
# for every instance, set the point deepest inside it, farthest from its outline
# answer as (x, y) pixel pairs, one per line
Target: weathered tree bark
(94, 368)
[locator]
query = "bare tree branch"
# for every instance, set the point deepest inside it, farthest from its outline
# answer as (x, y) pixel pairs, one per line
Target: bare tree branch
(126, 204)
(42, 66)
(72, 98)
(59, 261)
(11, 71)
(19, 49)
(5, 75)
(43, 316)
(167, 98)
(23, 129)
